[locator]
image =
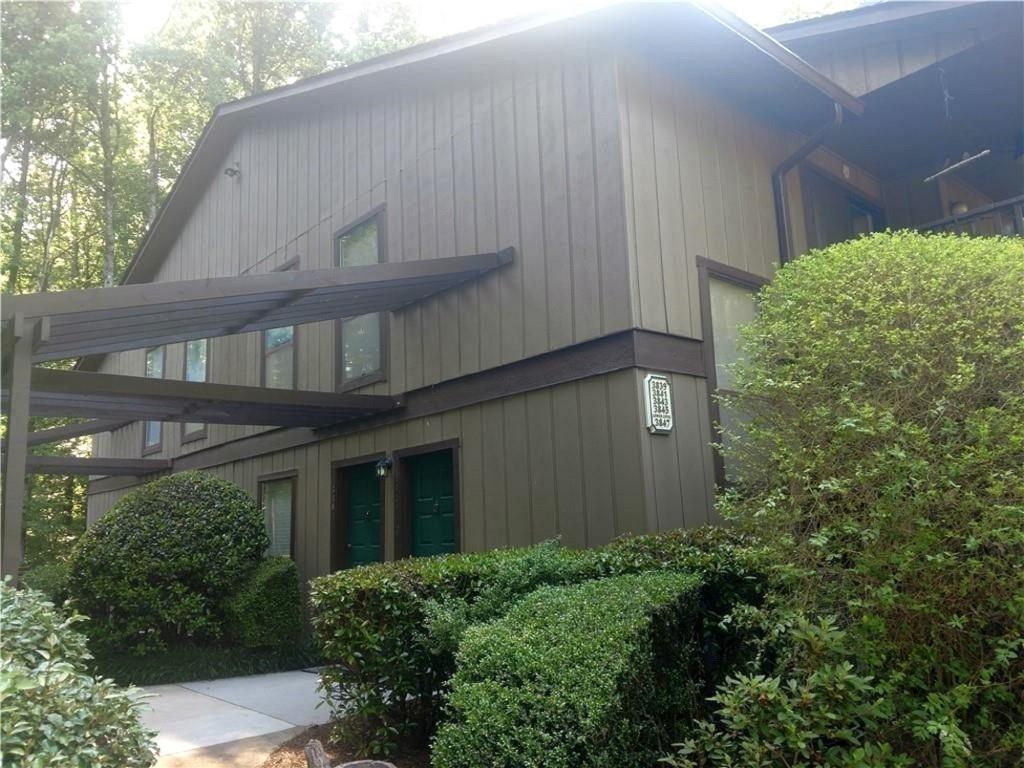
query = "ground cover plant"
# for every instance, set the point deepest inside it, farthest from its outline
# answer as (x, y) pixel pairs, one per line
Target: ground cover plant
(881, 465)
(602, 673)
(52, 710)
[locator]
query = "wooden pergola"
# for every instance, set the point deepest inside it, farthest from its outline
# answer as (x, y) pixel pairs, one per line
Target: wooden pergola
(44, 327)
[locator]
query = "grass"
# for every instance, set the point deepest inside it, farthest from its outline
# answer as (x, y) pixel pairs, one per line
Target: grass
(182, 664)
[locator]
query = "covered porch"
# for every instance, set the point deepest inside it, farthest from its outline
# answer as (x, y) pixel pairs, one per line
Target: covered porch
(40, 328)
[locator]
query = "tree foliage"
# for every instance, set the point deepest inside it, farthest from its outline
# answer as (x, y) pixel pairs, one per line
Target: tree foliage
(96, 131)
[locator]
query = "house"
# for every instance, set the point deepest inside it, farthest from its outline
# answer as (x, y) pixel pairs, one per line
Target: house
(648, 164)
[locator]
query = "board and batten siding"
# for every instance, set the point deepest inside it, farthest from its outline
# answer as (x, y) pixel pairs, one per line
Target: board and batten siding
(862, 67)
(566, 461)
(525, 154)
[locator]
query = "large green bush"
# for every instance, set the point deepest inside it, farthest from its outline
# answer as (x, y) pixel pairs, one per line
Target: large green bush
(388, 631)
(266, 611)
(603, 673)
(882, 462)
(157, 567)
(52, 712)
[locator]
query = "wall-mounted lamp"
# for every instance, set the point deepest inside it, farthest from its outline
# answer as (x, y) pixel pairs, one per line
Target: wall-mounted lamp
(957, 208)
(231, 171)
(384, 467)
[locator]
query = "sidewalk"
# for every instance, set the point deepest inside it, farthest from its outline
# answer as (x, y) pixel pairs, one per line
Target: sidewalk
(236, 721)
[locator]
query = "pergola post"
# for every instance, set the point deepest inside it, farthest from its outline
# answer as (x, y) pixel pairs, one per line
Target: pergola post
(14, 458)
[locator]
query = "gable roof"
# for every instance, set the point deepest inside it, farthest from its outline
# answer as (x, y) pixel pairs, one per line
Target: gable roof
(865, 16)
(770, 73)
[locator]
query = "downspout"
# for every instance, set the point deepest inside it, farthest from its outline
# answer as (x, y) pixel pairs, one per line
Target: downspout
(779, 181)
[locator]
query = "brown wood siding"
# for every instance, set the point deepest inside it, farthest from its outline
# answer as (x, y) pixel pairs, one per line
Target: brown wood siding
(863, 66)
(564, 461)
(524, 155)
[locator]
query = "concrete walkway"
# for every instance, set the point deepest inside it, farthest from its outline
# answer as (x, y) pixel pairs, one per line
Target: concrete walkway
(236, 721)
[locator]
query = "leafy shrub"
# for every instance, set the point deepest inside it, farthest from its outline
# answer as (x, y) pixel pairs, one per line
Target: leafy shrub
(881, 462)
(822, 713)
(388, 631)
(603, 673)
(51, 711)
(266, 611)
(157, 567)
(49, 578)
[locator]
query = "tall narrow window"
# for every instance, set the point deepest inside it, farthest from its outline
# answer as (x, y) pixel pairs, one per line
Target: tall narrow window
(360, 357)
(279, 357)
(196, 369)
(277, 370)
(152, 431)
(728, 303)
(277, 497)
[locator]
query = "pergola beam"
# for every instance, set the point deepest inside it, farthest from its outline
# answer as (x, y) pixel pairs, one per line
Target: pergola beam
(78, 465)
(136, 398)
(70, 431)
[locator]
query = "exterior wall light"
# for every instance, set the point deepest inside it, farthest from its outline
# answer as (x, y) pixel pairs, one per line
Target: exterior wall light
(958, 208)
(384, 467)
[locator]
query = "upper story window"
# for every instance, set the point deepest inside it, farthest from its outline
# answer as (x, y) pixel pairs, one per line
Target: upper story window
(197, 367)
(835, 214)
(152, 431)
(728, 302)
(360, 339)
(278, 359)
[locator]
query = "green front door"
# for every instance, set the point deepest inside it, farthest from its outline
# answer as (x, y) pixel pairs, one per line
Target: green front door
(432, 493)
(362, 515)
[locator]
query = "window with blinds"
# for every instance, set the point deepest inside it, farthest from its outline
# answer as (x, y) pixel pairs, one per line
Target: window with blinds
(277, 499)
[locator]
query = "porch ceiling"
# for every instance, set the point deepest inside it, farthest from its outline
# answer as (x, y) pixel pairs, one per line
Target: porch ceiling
(905, 128)
(106, 396)
(126, 317)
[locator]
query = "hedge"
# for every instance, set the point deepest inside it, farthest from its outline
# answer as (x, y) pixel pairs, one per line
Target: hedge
(389, 631)
(605, 673)
(52, 712)
(266, 611)
(158, 566)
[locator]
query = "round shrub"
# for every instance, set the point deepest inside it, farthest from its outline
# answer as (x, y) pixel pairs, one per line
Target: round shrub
(52, 712)
(158, 566)
(266, 611)
(881, 461)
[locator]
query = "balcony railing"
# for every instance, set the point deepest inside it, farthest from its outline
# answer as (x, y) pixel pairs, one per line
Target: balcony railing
(1003, 218)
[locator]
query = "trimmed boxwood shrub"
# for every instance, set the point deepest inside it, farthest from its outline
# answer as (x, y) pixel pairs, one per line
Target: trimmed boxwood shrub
(52, 712)
(158, 566)
(388, 631)
(266, 612)
(605, 673)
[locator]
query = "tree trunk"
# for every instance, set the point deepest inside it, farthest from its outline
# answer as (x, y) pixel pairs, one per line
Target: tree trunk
(106, 134)
(154, 166)
(20, 208)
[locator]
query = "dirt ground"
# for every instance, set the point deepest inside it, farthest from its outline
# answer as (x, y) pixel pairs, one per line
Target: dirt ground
(291, 755)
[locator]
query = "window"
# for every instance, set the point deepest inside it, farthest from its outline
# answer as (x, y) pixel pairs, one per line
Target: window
(278, 367)
(727, 304)
(277, 497)
(279, 358)
(834, 214)
(360, 357)
(196, 369)
(152, 431)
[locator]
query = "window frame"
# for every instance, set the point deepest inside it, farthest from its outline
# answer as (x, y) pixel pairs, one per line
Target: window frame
(201, 433)
(708, 270)
(289, 265)
(158, 446)
(381, 374)
(273, 477)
